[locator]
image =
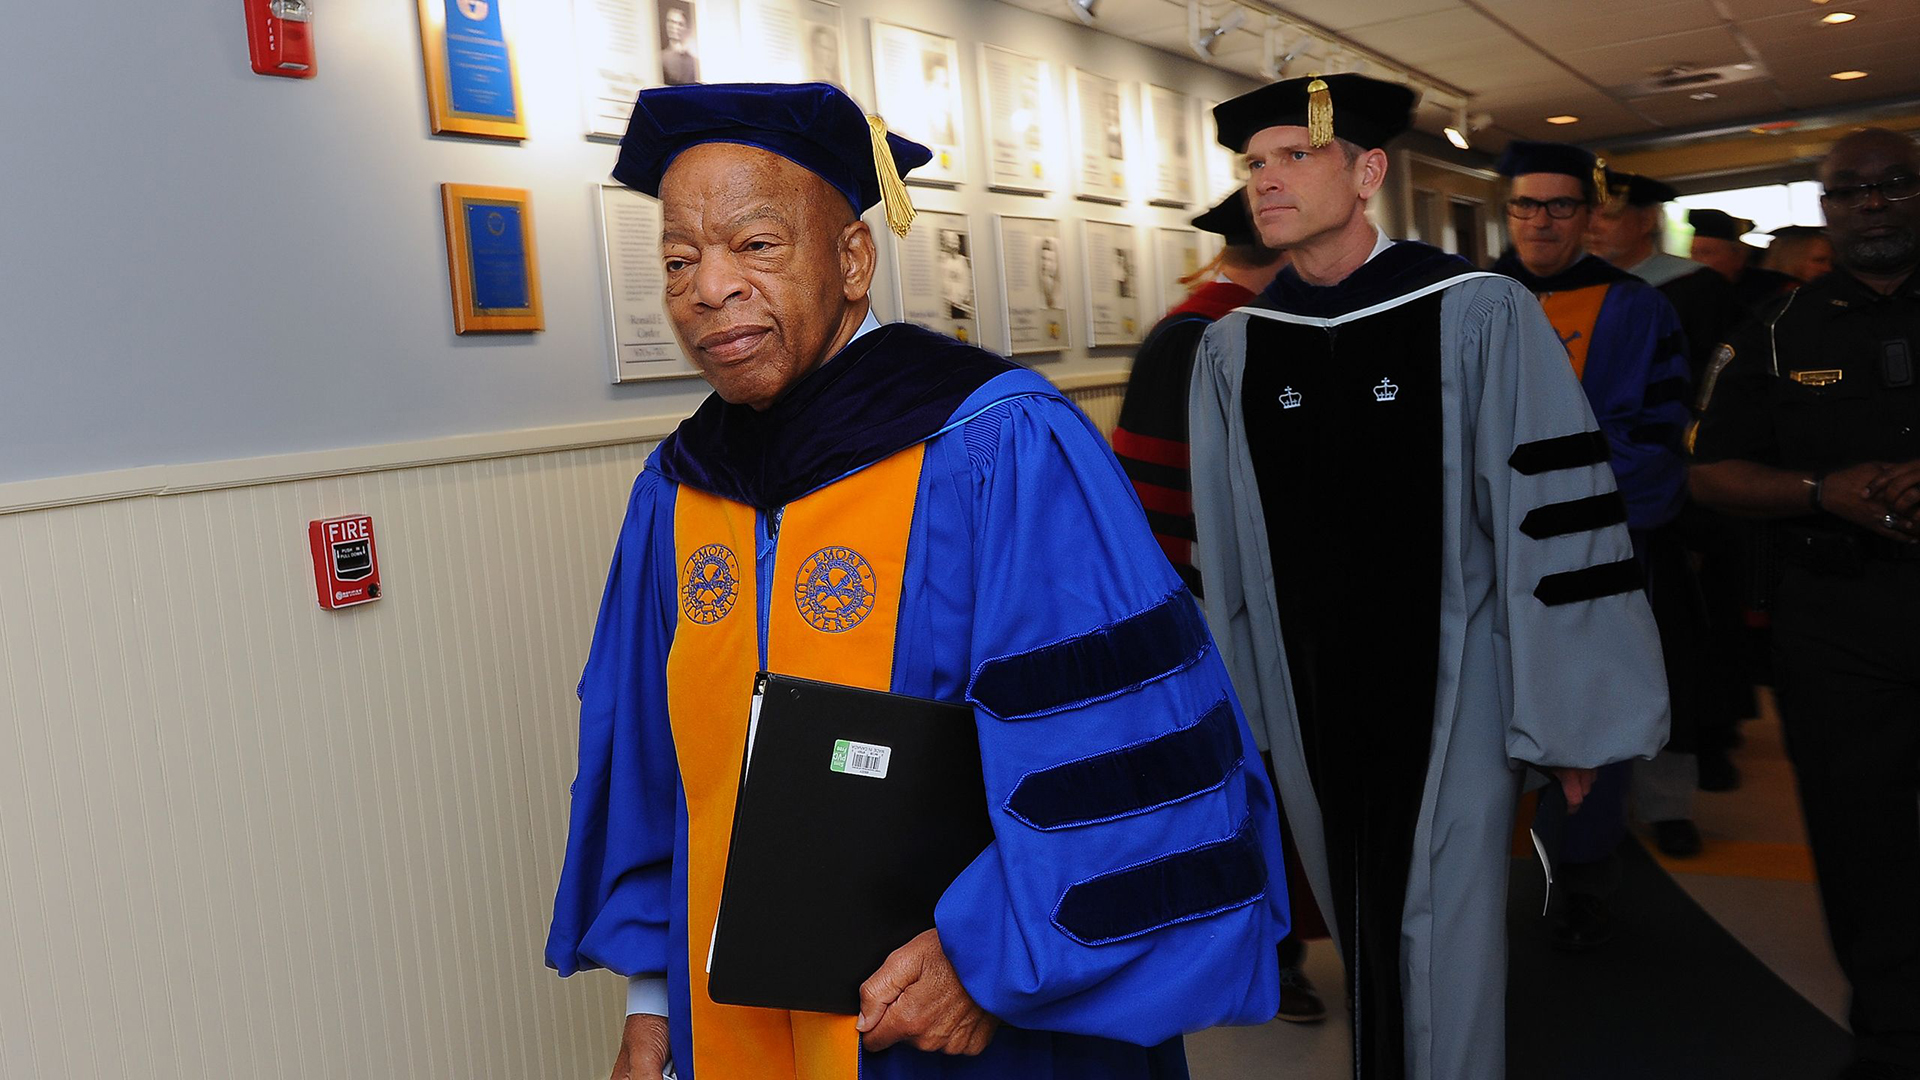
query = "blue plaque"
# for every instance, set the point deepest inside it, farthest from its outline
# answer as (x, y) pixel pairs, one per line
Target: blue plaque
(479, 72)
(497, 249)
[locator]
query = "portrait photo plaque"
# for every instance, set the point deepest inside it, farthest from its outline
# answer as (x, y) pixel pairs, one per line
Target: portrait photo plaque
(1181, 256)
(916, 78)
(1226, 169)
(614, 45)
(1168, 123)
(795, 40)
(1020, 109)
(642, 338)
(678, 32)
(1100, 142)
(936, 283)
(472, 87)
(1111, 275)
(491, 264)
(1033, 284)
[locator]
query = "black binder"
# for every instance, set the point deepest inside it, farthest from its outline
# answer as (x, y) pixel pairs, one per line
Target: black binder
(857, 809)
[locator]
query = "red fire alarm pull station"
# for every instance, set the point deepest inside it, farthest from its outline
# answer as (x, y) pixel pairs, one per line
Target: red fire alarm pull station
(280, 37)
(346, 569)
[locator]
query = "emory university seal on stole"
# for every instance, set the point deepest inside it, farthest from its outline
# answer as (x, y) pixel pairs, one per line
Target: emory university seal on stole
(834, 590)
(711, 583)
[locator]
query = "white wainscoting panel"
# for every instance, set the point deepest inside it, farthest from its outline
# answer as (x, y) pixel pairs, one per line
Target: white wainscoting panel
(244, 837)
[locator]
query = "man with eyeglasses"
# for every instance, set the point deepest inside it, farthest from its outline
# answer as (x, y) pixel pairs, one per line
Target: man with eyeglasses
(1630, 353)
(1813, 421)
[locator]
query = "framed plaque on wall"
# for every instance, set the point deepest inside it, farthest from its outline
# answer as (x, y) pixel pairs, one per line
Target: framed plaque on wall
(491, 265)
(472, 88)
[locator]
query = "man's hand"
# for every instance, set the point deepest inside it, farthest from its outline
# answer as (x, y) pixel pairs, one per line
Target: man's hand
(643, 1049)
(1860, 494)
(1897, 488)
(1575, 783)
(916, 997)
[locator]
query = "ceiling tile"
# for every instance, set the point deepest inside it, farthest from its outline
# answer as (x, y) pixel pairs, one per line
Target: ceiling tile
(1630, 62)
(1345, 15)
(1561, 27)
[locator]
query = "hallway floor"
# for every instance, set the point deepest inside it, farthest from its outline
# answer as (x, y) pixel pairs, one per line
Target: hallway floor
(1755, 878)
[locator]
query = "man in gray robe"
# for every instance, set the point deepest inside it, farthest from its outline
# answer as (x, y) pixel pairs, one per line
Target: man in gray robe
(1417, 567)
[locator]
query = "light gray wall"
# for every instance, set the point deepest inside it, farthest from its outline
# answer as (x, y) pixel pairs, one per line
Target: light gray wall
(200, 263)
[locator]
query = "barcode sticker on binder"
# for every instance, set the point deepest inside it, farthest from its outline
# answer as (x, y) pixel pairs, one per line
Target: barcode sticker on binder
(861, 759)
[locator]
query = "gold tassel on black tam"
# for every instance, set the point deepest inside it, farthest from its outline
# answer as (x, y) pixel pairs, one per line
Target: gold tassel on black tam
(1319, 112)
(893, 191)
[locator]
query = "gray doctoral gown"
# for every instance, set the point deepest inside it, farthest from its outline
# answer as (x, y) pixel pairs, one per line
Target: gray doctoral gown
(1538, 640)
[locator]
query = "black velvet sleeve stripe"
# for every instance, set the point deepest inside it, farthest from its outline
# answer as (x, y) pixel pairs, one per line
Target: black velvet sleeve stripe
(1579, 515)
(1592, 583)
(1667, 390)
(1177, 526)
(1564, 452)
(1094, 666)
(1655, 434)
(1177, 888)
(1132, 779)
(1148, 472)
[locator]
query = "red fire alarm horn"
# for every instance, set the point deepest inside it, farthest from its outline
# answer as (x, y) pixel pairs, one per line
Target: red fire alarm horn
(346, 568)
(280, 37)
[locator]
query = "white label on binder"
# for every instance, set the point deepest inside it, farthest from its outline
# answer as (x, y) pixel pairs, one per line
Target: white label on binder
(861, 759)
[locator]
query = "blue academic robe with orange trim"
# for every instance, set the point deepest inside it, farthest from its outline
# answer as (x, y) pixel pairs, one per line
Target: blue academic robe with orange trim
(1631, 355)
(923, 517)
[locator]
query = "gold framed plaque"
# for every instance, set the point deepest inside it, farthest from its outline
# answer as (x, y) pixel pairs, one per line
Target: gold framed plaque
(491, 265)
(472, 86)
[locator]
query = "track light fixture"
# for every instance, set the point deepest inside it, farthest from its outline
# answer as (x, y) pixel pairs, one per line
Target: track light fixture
(1203, 34)
(1083, 9)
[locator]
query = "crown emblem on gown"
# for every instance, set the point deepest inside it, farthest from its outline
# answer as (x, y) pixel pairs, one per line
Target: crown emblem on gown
(1386, 391)
(1290, 398)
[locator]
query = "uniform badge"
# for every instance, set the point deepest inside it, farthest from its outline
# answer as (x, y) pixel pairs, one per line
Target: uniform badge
(1386, 391)
(709, 584)
(834, 590)
(1290, 398)
(1820, 377)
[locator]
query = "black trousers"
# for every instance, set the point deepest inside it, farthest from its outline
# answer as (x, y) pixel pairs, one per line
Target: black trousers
(1847, 655)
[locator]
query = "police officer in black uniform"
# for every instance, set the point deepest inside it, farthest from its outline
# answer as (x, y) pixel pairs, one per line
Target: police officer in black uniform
(1813, 420)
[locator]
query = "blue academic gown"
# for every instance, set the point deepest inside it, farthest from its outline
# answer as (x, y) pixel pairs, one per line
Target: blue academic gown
(1134, 891)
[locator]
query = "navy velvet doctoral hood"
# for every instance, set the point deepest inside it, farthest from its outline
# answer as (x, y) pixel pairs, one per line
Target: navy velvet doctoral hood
(887, 390)
(1589, 270)
(1403, 268)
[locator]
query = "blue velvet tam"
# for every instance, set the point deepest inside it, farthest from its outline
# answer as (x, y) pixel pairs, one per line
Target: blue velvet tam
(814, 125)
(1524, 157)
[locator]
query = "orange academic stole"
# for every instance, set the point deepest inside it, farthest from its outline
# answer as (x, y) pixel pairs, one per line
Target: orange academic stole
(1573, 314)
(832, 615)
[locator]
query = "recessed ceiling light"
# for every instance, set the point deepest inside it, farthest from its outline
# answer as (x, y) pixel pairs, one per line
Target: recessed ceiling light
(1838, 17)
(1704, 95)
(1848, 76)
(1563, 119)
(1743, 67)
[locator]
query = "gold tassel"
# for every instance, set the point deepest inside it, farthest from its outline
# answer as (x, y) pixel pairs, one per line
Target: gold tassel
(1319, 112)
(893, 192)
(1602, 193)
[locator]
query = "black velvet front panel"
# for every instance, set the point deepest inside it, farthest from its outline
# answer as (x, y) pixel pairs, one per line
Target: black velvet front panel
(1351, 483)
